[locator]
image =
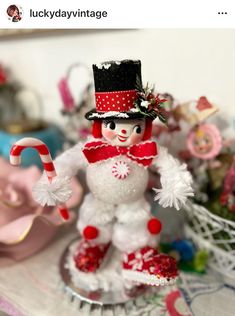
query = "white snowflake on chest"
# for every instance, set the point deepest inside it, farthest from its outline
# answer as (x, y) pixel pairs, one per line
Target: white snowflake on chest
(120, 170)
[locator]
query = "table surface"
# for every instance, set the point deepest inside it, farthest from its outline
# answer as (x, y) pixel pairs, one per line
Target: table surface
(34, 288)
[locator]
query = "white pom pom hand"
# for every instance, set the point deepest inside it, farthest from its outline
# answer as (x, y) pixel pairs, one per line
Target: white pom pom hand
(52, 193)
(170, 196)
(176, 181)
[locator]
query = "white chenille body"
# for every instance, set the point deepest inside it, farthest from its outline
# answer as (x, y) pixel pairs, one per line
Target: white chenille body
(108, 187)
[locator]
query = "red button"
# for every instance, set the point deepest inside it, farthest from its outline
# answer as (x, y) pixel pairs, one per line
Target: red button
(154, 226)
(90, 232)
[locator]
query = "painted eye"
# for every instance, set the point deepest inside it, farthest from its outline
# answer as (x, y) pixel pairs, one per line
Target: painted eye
(111, 125)
(137, 129)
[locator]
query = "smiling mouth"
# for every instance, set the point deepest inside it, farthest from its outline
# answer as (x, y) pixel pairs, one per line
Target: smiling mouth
(122, 138)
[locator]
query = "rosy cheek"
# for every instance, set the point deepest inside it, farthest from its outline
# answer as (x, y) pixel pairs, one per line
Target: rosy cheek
(136, 138)
(109, 134)
(198, 147)
(208, 147)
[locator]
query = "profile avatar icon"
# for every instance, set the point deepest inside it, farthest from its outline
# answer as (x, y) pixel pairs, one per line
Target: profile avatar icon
(15, 13)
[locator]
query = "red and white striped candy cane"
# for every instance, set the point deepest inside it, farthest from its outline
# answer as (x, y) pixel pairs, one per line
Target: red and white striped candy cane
(28, 142)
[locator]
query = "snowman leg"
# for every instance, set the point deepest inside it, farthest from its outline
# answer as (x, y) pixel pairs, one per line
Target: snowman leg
(95, 224)
(136, 234)
(95, 220)
(135, 227)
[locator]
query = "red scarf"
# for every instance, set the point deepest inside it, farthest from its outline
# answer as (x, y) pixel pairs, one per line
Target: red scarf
(142, 153)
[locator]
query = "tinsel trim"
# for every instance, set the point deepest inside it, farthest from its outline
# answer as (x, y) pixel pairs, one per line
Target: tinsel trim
(145, 278)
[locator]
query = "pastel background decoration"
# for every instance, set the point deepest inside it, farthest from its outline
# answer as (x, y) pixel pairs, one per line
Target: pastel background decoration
(186, 62)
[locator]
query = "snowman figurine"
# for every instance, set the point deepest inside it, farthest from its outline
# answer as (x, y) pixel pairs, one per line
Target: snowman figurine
(115, 213)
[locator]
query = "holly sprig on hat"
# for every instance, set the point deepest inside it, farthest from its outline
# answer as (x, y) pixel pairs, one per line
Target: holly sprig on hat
(148, 104)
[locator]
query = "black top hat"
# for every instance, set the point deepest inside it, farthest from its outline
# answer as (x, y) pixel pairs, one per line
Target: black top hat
(117, 75)
(119, 92)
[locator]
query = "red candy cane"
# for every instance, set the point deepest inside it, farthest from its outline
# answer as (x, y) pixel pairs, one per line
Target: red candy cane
(27, 142)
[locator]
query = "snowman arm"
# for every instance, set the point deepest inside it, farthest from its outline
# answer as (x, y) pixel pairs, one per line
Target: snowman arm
(59, 190)
(176, 181)
(70, 161)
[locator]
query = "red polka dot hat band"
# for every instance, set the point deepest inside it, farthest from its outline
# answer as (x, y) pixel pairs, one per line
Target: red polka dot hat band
(115, 90)
(119, 101)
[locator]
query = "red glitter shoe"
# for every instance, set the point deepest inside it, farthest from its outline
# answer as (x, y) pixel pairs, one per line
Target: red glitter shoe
(146, 266)
(88, 257)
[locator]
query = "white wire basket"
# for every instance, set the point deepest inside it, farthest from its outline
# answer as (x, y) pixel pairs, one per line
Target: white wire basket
(214, 234)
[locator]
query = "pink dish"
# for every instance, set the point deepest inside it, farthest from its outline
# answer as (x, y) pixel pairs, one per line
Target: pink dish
(25, 226)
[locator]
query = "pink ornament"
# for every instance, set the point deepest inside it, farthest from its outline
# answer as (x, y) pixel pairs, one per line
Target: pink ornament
(228, 195)
(66, 95)
(204, 142)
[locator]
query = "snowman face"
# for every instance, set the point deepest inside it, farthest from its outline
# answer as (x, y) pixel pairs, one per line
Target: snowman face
(123, 132)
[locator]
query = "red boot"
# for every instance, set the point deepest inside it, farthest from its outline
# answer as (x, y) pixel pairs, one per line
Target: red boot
(88, 257)
(148, 267)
